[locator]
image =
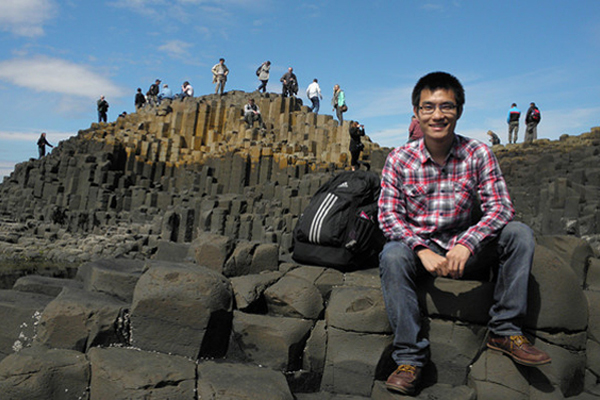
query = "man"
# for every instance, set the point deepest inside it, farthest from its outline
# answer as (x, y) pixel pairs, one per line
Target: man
(263, 75)
(338, 101)
(165, 93)
(153, 92)
(428, 190)
(42, 143)
(252, 113)
(289, 83)
(102, 109)
(140, 99)
(220, 72)
(513, 123)
(532, 119)
(313, 92)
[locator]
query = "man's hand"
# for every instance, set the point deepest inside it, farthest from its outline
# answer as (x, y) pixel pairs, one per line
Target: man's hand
(457, 258)
(435, 264)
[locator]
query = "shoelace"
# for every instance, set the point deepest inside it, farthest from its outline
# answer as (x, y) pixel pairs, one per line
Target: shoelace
(411, 369)
(518, 340)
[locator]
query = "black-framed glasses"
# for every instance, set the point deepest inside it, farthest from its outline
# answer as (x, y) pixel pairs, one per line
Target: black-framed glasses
(445, 108)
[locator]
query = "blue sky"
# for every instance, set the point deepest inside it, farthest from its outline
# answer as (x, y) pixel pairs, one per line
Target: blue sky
(58, 57)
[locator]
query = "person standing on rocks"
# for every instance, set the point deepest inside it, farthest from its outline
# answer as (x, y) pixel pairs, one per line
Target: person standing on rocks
(313, 92)
(220, 72)
(339, 103)
(428, 190)
(513, 123)
(42, 143)
(356, 146)
(140, 99)
(289, 83)
(263, 75)
(102, 109)
(532, 119)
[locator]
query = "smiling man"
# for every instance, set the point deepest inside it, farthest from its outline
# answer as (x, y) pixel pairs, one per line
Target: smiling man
(428, 189)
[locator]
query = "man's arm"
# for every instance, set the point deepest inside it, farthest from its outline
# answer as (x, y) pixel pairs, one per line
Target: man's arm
(495, 201)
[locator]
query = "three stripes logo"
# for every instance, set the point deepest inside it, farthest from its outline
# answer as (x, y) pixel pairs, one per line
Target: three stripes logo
(316, 226)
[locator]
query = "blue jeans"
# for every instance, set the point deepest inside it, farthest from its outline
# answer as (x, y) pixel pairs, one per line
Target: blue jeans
(401, 269)
(315, 104)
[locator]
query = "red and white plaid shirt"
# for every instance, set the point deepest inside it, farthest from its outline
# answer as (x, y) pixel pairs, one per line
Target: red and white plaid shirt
(421, 201)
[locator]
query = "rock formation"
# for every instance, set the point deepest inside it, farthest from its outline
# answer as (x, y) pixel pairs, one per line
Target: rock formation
(172, 228)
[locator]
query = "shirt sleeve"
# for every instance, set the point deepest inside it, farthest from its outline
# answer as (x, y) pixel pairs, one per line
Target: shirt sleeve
(495, 201)
(392, 206)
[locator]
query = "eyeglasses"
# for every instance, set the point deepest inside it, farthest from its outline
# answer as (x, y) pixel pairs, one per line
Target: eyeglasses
(445, 108)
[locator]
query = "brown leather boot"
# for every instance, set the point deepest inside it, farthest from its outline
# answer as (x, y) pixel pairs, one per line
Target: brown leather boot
(519, 349)
(404, 379)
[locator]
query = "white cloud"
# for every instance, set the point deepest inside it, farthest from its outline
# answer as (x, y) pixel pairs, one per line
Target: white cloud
(384, 102)
(176, 48)
(55, 75)
(26, 17)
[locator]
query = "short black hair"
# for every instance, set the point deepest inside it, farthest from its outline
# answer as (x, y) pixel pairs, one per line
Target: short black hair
(439, 80)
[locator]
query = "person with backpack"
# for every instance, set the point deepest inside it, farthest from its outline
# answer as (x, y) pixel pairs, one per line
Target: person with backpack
(152, 93)
(532, 119)
(429, 189)
(102, 109)
(263, 75)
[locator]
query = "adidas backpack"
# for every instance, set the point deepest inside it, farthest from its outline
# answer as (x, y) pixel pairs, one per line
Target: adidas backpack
(339, 227)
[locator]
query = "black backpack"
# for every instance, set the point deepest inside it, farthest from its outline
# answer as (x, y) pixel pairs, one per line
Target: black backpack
(339, 227)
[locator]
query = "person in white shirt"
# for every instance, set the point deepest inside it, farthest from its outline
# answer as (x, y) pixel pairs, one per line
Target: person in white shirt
(220, 72)
(252, 113)
(313, 92)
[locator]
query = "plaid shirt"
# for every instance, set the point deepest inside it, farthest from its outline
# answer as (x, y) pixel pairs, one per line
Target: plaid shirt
(421, 202)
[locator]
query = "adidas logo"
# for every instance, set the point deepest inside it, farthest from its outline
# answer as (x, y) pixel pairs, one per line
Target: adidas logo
(343, 185)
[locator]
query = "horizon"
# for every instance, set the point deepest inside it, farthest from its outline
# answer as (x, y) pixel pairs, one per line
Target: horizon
(59, 57)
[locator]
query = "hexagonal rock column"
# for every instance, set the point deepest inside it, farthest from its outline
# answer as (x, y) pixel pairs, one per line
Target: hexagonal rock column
(182, 309)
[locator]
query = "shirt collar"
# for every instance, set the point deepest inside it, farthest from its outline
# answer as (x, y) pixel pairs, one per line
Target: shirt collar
(457, 149)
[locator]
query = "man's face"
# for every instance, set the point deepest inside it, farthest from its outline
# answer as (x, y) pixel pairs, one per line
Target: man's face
(437, 126)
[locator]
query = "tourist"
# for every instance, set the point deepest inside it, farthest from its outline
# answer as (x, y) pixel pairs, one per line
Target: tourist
(186, 90)
(414, 130)
(289, 83)
(313, 92)
(430, 233)
(165, 93)
(513, 123)
(339, 103)
(356, 146)
(493, 138)
(220, 72)
(102, 109)
(42, 143)
(153, 91)
(263, 75)
(140, 99)
(532, 119)
(252, 113)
